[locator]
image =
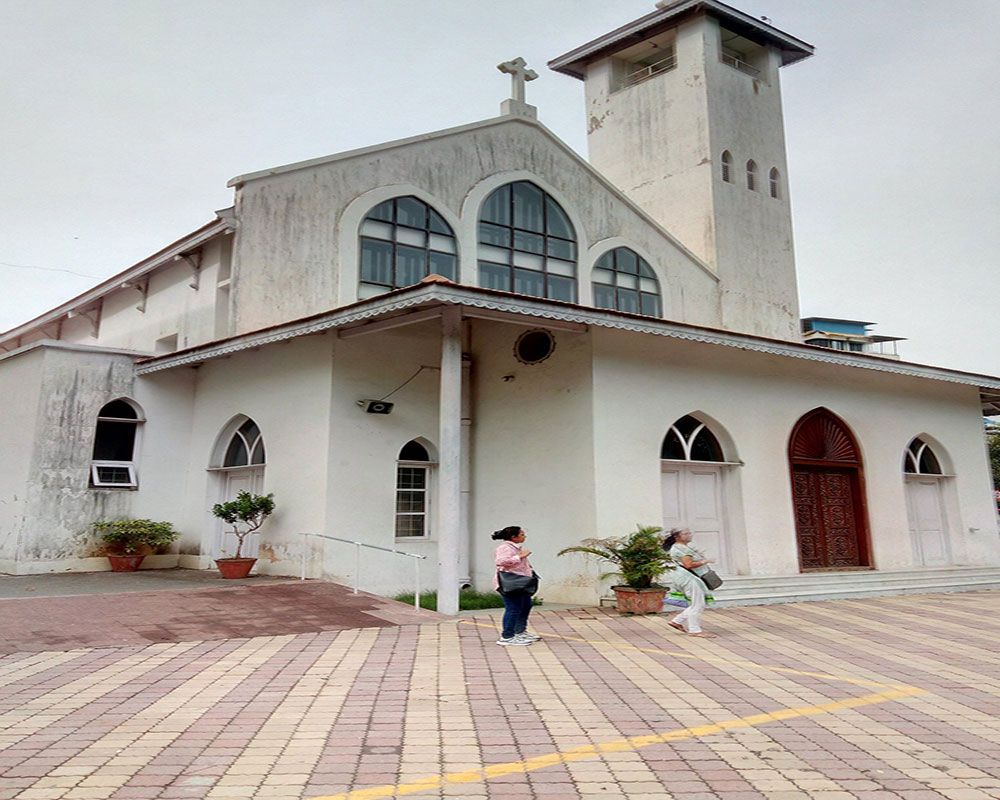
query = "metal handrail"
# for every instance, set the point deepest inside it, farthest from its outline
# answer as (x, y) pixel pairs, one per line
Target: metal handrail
(649, 70)
(742, 66)
(357, 561)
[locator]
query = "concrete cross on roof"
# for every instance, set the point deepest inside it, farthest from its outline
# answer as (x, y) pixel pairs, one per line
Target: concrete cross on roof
(519, 73)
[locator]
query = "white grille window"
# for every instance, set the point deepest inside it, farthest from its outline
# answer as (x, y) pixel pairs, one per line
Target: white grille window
(752, 175)
(413, 473)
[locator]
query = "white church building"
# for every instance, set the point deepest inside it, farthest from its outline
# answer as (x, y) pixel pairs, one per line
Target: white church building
(573, 346)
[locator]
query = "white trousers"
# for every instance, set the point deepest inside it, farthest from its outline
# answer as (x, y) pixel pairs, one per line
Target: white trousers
(690, 617)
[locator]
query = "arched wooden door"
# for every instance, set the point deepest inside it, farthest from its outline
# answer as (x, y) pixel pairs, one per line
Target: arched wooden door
(831, 522)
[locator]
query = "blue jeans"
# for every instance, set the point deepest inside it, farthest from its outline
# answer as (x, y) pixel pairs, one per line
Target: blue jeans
(517, 606)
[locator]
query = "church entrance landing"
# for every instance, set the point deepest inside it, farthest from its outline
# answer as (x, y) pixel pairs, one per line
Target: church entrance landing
(828, 495)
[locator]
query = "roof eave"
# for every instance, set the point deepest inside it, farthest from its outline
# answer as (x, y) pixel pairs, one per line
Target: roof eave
(185, 244)
(574, 62)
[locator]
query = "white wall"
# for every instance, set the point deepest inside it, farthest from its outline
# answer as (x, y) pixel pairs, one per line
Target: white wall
(292, 236)
(285, 389)
(661, 142)
(60, 507)
(758, 399)
(533, 450)
(173, 307)
(20, 385)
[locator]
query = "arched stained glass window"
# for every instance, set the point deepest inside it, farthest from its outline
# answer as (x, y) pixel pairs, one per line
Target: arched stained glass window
(404, 240)
(752, 175)
(727, 162)
(527, 244)
(920, 459)
(624, 281)
(246, 447)
(113, 459)
(689, 439)
(412, 491)
(774, 179)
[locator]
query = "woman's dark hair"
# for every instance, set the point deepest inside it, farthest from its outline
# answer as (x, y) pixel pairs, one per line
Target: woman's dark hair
(672, 538)
(507, 533)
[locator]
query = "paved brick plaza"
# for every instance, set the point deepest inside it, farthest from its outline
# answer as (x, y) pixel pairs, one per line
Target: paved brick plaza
(889, 698)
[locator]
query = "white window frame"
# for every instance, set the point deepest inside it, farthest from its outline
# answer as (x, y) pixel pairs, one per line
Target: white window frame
(428, 467)
(133, 483)
(97, 482)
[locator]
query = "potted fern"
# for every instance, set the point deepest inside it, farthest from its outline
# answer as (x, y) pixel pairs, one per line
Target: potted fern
(126, 538)
(639, 559)
(246, 514)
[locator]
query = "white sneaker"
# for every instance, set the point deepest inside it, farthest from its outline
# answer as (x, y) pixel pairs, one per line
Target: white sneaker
(531, 637)
(513, 640)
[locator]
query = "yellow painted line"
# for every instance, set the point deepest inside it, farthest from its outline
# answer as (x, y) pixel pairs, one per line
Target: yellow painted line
(716, 660)
(433, 782)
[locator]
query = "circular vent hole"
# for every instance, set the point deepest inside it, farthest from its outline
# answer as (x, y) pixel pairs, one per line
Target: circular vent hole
(534, 346)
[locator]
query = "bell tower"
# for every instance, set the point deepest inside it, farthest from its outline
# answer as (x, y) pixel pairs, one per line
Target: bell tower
(684, 116)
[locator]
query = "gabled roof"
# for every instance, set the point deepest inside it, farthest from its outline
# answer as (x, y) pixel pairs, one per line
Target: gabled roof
(509, 119)
(758, 30)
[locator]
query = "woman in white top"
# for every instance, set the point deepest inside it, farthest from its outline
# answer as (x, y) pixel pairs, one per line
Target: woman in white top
(685, 582)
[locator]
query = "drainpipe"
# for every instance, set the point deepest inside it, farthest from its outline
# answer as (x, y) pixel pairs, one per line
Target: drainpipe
(465, 528)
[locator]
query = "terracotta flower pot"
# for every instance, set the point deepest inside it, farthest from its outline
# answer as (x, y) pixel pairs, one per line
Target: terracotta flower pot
(235, 567)
(125, 562)
(639, 601)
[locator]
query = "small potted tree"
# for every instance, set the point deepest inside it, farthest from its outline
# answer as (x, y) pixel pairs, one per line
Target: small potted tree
(246, 514)
(125, 538)
(639, 559)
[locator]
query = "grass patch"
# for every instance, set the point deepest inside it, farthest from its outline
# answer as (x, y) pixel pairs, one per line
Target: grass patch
(468, 600)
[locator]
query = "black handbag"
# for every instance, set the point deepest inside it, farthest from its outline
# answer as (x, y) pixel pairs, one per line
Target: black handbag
(710, 579)
(512, 582)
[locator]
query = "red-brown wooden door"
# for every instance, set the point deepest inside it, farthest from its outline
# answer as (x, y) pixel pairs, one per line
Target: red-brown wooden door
(825, 517)
(828, 494)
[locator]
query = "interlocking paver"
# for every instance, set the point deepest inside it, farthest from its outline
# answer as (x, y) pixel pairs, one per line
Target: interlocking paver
(577, 715)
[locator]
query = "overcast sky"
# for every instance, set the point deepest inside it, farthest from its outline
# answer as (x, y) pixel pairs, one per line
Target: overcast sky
(123, 119)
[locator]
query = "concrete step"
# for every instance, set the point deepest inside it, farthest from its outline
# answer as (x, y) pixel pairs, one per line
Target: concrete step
(765, 589)
(747, 590)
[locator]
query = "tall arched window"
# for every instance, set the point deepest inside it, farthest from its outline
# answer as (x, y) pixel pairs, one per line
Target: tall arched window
(527, 244)
(404, 240)
(246, 447)
(727, 162)
(113, 459)
(774, 179)
(752, 175)
(412, 491)
(690, 440)
(920, 459)
(624, 281)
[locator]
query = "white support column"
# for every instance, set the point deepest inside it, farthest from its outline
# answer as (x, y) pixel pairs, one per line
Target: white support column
(449, 516)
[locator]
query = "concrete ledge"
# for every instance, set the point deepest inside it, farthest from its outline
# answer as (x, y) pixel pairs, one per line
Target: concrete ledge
(99, 564)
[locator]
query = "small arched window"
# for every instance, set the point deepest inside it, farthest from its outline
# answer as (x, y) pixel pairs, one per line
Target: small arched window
(527, 244)
(727, 162)
(246, 447)
(752, 175)
(920, 459)
(774, 179)
(689, 439)
(624, 281)
(404, 240)
(412, 491)
(113, 459)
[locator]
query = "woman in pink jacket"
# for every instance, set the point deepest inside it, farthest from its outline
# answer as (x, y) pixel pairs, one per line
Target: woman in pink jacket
(517, 604)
